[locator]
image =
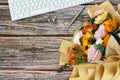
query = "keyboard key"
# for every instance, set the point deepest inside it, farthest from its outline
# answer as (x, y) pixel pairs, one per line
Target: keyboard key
(28, 8)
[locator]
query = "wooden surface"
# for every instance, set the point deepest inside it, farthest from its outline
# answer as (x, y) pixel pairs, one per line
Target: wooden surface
(29, 47)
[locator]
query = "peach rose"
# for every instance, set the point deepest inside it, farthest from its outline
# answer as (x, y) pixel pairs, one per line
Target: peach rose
(100, 33)
(94, 55)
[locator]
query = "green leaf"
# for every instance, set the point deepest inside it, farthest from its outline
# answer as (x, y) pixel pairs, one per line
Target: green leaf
(80, 58)
(77, 50)
(80, 39)
(115, 34)
(62, 68)
(91, 21)
(101, 48)
(91, 40)
(116, 31)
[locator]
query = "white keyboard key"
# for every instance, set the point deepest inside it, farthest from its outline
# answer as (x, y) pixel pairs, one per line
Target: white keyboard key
(20, 9)
(36, 12)
(26, 14)
(20, 16)
(15, 17)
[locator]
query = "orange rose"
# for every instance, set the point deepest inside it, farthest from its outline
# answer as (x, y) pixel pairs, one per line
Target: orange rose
(110, 25)
(106, 39)
(89, 28)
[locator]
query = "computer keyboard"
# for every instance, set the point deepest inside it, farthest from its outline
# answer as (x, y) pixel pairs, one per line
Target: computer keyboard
(20, 9)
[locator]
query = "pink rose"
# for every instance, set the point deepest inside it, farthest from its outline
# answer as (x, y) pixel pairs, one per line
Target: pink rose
(100, 33)
(94, 55)
(99, 12)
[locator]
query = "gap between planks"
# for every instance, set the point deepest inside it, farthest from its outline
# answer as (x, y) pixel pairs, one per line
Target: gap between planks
(64, 35)
(30, 70)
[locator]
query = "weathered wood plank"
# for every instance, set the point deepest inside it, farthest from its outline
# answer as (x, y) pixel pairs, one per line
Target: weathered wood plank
(39, 25)
(35, 75)
(35, 58)
(30, 52)
(3, 1)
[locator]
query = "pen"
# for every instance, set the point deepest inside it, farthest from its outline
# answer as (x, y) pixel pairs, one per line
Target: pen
(75, 17)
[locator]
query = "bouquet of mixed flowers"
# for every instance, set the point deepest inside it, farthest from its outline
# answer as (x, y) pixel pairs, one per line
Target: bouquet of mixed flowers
(97, 40)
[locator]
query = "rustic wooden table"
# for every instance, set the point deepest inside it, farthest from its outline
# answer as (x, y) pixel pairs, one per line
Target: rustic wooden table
(29, 47)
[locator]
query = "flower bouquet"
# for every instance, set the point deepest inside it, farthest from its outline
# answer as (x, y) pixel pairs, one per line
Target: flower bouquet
(95, 48)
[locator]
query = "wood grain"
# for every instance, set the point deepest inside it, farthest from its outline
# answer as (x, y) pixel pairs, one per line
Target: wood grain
(40, 25)
(36, 75)
(3, 1)
(30, 52)
(29, 47)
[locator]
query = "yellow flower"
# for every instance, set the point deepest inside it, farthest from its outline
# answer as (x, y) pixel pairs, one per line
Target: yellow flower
(85, 42)
(101, 18)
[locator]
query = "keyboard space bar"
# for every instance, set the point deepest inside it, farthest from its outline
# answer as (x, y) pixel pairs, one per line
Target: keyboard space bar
(39, 11)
